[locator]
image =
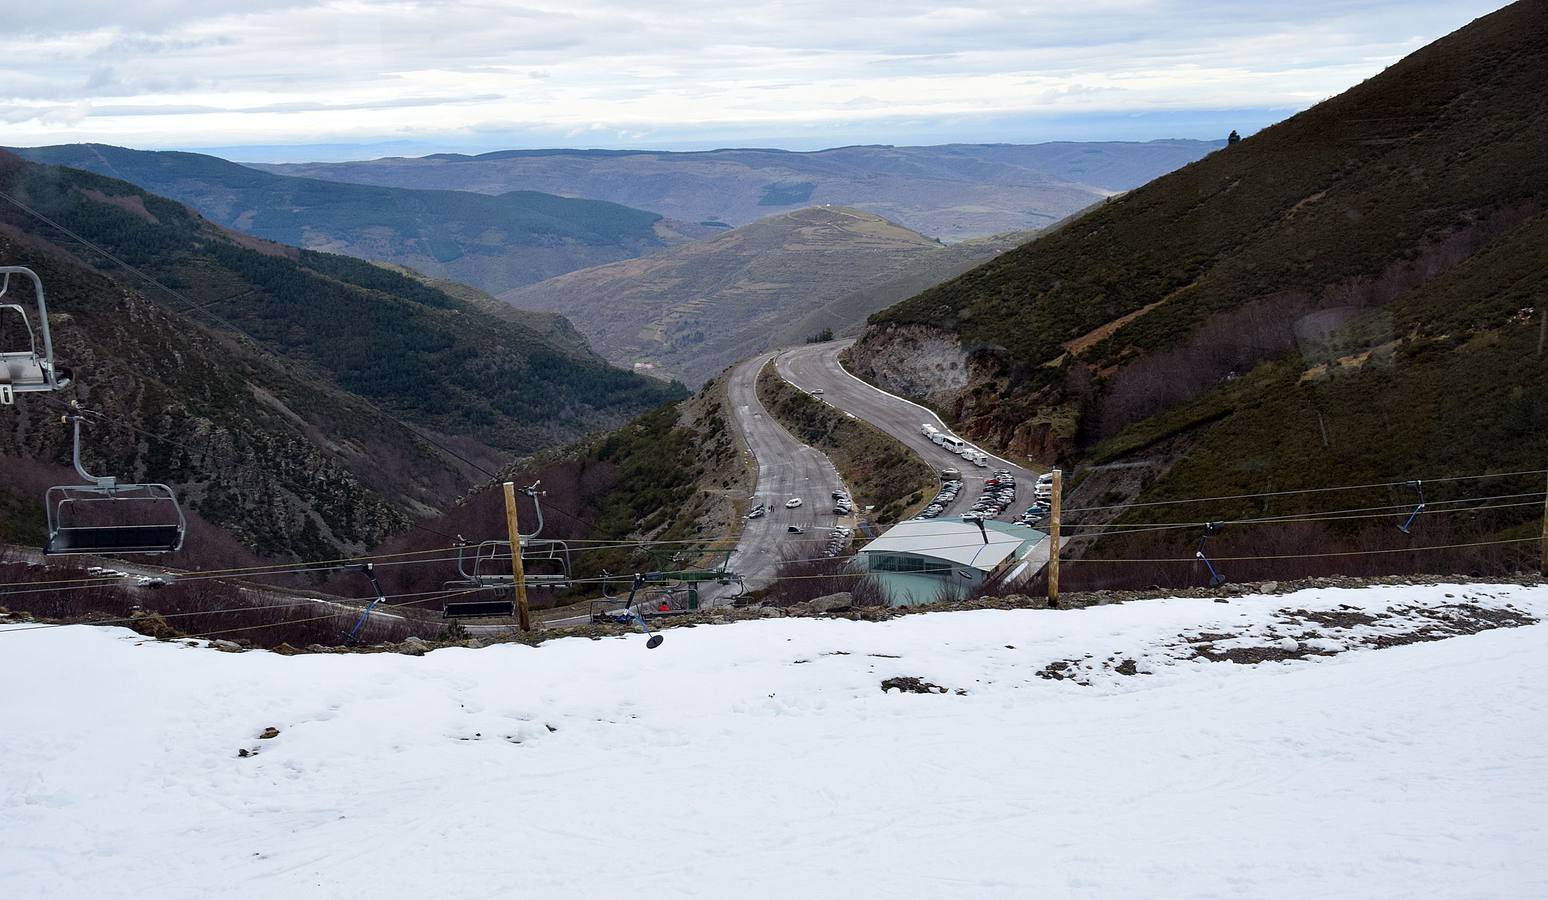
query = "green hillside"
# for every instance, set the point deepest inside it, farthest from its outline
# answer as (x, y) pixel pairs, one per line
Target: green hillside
(263, 370)
(1354, 294)
(495, 241)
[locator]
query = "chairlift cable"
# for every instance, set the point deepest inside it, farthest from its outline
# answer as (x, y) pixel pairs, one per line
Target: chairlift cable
(47, 625)
(1350, 487)
(325, 565)
(1310, 516)
(425, 595)
(1189, 559)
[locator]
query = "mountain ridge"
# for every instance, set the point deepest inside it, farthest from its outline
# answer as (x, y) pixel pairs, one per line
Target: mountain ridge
(693, 310)
(951, 191)
(496, 241)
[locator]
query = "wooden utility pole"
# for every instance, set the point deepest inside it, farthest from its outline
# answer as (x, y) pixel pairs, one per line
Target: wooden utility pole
(1053, 539)
(517, 571)
(1543, 563)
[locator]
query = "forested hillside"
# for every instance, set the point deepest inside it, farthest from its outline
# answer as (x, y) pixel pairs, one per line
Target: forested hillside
(268, 383)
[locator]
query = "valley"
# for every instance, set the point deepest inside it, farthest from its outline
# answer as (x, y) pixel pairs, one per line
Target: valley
(1124, 473)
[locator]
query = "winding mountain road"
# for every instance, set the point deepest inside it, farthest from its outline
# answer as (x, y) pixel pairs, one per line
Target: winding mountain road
(786, 468)
(816, 367)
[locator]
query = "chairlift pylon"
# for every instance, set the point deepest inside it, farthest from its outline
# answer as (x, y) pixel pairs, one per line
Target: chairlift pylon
(22, 368)
(83, 518)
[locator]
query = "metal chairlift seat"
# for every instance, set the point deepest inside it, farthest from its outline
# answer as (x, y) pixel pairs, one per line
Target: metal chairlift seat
(22, 368)
(545, 564)
(81, 517)
(497, 605)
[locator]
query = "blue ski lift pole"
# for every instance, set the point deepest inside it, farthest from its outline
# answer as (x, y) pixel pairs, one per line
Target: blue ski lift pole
(1215, 578)
(653, 640)
(370, 572)
(1418, 486)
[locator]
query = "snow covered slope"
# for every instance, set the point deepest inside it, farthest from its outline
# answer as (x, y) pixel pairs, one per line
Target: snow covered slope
(764, 759)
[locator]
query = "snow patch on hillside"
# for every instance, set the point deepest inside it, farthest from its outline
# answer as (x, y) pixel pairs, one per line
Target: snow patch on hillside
(764, 758)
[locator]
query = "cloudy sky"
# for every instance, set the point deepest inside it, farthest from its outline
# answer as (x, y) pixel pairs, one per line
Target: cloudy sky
(277, 79)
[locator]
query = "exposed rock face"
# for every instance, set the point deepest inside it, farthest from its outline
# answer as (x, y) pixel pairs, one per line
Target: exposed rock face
(915, 361)
(932, 366)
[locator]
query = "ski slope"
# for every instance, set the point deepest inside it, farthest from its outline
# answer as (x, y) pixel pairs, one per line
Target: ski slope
(763, 759)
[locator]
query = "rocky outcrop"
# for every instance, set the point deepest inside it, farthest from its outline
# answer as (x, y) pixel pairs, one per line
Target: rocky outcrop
(965, 385)
(915, 361)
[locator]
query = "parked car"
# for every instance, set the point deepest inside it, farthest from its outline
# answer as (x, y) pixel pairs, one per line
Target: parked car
(757, 512)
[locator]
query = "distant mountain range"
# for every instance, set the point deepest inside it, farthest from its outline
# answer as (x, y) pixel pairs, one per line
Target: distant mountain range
(495, 242)
(951, 192)
(302, 401)
(476, 220)
(691, 311)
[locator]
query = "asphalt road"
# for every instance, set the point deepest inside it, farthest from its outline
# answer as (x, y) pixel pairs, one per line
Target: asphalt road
(816, 367)
(786, 468)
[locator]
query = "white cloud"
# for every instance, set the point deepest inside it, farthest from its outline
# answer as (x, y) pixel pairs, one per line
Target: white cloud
(164, 73)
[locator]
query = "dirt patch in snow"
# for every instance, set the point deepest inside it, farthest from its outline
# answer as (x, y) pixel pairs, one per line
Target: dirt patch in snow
(1298, 634)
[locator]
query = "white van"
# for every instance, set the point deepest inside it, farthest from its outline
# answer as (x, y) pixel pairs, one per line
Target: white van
(927, 429)
(976, 457)
(954, 444)
(937, 438)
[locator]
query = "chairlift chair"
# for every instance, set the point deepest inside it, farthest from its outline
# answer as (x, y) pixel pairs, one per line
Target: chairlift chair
(22, 368)
(545, 564)
(491, 603)
(82, 518)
